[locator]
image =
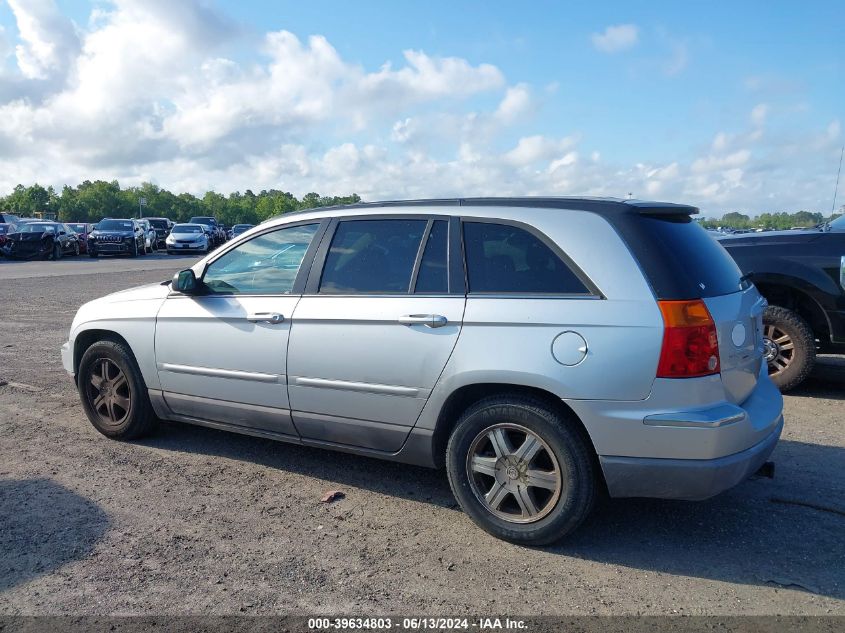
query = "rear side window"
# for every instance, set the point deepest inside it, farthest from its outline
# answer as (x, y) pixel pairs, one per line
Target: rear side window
(698, 265)
(372, 256)
(509, 259)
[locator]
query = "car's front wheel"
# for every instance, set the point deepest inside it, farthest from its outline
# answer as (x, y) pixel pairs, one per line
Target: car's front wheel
(521, 470)
(789, 347)
(113, 392)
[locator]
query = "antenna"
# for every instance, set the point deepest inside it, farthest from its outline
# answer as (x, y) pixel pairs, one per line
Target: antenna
(836, 188)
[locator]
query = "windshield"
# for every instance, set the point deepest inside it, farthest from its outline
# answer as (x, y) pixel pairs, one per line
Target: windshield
(838, 224)
(202, 220)
(186, 228)
(159, 224)
(114, 225)
(37, 227)
(78, 228)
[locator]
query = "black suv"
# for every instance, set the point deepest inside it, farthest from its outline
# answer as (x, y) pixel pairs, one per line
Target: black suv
(117, 237)
(802, 275)
(162, 228)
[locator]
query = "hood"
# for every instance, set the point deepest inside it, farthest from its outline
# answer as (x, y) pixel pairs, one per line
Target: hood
(146, 301)
(28, 237)
(770, 237)
(97, 233)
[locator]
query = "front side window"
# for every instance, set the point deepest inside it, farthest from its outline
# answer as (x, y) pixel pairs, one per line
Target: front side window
(267, 264)
(508, 259)
(372, 256)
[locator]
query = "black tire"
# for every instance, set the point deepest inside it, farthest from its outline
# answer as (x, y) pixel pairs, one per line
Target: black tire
(76, 249)
(57, 251)
(134, 251)
(782, 329)
(138, 418)
(577, 486)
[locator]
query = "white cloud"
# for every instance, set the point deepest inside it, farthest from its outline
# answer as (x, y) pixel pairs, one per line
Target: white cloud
(515, 103)
(531, 149)
(616, 38)
(48, 39)
(759, 114)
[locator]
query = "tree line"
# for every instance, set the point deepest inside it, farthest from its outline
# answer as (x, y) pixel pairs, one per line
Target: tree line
(92, 201)
(776, 221)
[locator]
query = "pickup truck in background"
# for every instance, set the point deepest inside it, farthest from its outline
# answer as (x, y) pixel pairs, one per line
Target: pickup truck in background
(802, 275)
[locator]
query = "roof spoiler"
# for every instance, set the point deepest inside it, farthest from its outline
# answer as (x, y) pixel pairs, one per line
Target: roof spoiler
(661, 208)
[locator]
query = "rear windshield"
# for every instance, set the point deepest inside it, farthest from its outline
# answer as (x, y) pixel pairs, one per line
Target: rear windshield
(159, 224)
(187, 228)
(680, 259)
(114, 225)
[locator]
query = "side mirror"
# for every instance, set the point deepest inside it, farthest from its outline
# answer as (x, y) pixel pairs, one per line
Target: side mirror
(185, 281)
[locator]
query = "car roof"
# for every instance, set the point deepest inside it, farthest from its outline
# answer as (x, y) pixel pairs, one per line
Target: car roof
(603, 206)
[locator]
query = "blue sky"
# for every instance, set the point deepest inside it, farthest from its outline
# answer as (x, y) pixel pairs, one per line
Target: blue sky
(731, 106)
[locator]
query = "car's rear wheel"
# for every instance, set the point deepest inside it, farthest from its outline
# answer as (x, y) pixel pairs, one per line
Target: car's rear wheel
(113, 392)
(789, 347)
(521, 470)
(76, 249)
(57, 251)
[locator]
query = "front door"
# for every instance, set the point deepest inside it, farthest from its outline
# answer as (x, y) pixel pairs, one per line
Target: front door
(373, 332)
(221, 354)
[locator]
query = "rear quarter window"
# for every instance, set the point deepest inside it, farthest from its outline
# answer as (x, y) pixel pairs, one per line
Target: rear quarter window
(681, 260)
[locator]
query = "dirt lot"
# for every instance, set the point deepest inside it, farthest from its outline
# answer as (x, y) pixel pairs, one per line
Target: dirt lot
(200, 521)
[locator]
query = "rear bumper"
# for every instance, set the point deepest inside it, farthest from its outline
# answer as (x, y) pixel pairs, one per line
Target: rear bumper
(689, 479)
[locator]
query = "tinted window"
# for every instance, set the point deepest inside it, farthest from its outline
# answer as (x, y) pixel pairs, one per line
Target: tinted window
(504, 258)
(433, 274)
(266, 264)
(372, 256)
(187, 228)
(114, 225)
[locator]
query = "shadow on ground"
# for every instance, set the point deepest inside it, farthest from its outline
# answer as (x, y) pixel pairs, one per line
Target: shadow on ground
(43, 526)
(757, 533)
(826, 381)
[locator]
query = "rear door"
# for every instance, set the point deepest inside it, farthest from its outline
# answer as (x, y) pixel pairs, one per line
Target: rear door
(370, 337)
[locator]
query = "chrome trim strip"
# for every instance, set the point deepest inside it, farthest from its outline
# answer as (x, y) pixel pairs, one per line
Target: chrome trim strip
(220, 373)
(363, 387)
(711, 419)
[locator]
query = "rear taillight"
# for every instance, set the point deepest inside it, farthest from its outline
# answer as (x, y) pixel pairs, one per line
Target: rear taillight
(690, 346)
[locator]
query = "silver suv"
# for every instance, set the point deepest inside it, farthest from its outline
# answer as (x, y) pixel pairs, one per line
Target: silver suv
(542, 349)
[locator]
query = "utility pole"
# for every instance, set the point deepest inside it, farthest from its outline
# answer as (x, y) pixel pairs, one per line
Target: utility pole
(836, 188)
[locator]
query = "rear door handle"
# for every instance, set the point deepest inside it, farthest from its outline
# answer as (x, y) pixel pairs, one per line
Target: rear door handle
(429, 320)
(274, 318)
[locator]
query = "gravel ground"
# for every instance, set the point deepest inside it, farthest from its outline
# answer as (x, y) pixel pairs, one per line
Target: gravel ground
(197, 521)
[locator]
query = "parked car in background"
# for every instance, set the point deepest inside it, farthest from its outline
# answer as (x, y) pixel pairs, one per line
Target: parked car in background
(82, 230)
(162, 228)
(241, 228)
(41, 240)
(5, 229)
(542, 349)
(150, 237)
(217, 235)
(802, 275)
(188, 238)
(117, 237)
(8, 218)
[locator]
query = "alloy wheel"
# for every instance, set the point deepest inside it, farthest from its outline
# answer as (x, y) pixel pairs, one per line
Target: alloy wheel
(779, 348)
(514, 473)
(109, 392)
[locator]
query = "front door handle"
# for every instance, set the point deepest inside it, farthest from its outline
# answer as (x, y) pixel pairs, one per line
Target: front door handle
(274, 318)
(429, 320)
